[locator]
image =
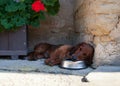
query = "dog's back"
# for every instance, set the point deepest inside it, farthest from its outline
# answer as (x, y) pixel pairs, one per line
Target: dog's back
(39, 51)
(42, 50)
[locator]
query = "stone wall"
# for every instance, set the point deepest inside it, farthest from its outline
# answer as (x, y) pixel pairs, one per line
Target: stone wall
(56, 29)
(93, 21)
(98, 22)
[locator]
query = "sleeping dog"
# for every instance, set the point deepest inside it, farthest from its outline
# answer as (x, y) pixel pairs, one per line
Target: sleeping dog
(55, 54)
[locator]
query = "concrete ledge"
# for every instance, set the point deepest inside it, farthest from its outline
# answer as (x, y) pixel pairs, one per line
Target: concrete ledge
(36, 73)
(105, 76)
(39, 79)
(38, 66)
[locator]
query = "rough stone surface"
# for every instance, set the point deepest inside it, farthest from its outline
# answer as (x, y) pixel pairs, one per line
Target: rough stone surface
(104, 76)
(107, 54)
(100, 19)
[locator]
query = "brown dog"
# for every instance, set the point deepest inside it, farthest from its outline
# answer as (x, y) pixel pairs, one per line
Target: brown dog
(39, 51)
(56, 53)
(45, 50)
(84, 52)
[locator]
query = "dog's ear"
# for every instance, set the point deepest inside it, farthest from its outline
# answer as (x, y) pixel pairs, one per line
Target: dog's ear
(74, 48)
(89, 59)
(77, 46)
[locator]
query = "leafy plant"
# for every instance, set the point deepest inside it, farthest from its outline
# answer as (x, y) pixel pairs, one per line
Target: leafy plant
(16, 13)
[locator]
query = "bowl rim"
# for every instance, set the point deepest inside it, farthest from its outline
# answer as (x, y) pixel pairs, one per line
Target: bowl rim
(73, 68)
(61, 65)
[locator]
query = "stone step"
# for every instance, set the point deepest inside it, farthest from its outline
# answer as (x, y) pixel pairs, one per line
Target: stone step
(38, 66)
(105, 76)
(39, 79)
(36, 73)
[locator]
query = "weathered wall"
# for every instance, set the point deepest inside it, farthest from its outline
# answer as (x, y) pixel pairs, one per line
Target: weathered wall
(98, 21)
(57, 29)
(93, 21)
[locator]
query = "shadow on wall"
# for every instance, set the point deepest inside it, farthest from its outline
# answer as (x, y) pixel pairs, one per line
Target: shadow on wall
(55, 30)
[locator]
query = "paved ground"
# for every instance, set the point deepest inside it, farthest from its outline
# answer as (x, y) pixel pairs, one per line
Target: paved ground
(105, 76)
(25, 73)
(38, 66)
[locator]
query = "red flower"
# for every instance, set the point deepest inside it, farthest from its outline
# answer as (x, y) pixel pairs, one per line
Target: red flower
(38, 6)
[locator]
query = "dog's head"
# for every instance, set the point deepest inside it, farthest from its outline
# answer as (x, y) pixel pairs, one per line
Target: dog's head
(84, 52)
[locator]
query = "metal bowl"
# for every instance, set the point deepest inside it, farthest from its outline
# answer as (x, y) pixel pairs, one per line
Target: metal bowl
(68, 64)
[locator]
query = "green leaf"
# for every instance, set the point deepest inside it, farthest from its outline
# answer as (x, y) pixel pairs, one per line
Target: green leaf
(35, 23)
(49, 2)
(3, 2)
(0, 15)
(18, 20)
(14, 14)
(28, 1)
(21, 6)
(12, 7)
(53, 10)
(6, 24)
(42, 16)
